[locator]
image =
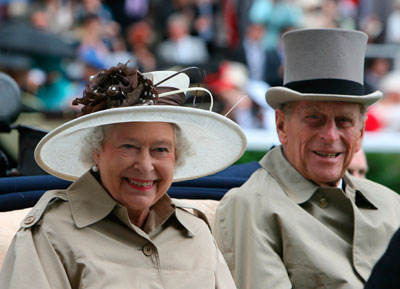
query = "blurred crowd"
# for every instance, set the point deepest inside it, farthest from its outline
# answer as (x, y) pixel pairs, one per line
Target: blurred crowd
(51, 47)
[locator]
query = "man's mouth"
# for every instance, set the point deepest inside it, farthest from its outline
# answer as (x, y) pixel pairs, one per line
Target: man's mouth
(327, 155)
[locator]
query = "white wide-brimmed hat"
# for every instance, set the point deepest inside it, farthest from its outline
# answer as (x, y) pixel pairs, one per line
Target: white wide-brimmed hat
(216, 142)
(323, 65)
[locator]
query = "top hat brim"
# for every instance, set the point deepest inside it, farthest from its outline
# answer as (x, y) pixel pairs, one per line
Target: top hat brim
(275, 96)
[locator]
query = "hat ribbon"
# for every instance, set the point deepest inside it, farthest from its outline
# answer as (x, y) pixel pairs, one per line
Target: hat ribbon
(190, 89)
(327, 86)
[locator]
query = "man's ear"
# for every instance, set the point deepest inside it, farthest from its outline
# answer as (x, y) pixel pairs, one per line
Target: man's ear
(359, 142)
(280, 119)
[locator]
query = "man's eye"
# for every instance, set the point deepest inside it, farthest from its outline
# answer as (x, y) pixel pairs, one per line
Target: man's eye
(312, 117)
(344, 121)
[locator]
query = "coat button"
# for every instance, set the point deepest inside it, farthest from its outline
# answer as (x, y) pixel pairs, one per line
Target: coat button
(148, 249)
(323, 203)
(29, 220)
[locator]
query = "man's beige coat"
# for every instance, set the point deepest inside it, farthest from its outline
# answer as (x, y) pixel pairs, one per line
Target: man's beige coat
(281, 231)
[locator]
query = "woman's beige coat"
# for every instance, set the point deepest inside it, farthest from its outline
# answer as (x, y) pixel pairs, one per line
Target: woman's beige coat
(81, 238)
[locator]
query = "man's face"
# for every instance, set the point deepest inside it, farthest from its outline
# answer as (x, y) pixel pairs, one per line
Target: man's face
(136, 163)
(320, 138)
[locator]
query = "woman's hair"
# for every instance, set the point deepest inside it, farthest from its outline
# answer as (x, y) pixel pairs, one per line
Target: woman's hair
(93, 143)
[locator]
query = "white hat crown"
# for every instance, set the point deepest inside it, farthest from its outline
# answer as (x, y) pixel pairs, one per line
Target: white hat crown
(209, 134)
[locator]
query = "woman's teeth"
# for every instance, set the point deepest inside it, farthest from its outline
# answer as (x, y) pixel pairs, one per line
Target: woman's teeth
(141, 183)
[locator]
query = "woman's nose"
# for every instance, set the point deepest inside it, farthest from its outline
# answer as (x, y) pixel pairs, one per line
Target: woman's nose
(144, 161)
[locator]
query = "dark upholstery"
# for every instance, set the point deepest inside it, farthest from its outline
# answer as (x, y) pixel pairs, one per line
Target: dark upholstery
(386, 272)
(23, 192)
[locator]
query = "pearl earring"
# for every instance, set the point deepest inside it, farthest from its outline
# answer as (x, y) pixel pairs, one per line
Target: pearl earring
(95, 169)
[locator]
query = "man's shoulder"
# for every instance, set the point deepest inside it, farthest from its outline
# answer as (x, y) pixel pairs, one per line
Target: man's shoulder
(377, 192)
(203, 209)
(260, 181)
(369, 185)
(193, 218)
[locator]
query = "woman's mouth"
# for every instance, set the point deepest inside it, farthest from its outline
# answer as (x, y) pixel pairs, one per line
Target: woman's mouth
(140, 184)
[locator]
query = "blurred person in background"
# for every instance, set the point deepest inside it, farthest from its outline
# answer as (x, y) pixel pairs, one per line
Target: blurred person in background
(181, 48)
(393, 24)
(263, 64)
(275, 15)
(92, 40)
(141, 40)
(96, 7)
(372, 25)
(204, 22)
(127, 12)
(387, 111)
(53, 15)
(328, 14)
(229, 85)
(358, 166)
(375, 70)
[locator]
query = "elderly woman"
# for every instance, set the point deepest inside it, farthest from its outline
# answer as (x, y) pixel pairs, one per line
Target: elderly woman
(115, 226)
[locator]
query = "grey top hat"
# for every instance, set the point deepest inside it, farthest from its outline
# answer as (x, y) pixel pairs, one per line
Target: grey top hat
(323, 65)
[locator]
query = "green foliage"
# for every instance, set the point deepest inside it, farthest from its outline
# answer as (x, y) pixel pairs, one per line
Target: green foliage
(384, 168)
(250, 156)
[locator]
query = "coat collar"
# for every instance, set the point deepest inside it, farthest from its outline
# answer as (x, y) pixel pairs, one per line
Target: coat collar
(90, 203)
(300, 189)
(88, 200)
(291, 181)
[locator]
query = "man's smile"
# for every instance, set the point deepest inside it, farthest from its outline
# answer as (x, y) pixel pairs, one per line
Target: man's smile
(326, 155)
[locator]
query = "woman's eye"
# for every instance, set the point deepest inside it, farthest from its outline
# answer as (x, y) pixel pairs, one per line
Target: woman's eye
(127, 146)
(161, 150)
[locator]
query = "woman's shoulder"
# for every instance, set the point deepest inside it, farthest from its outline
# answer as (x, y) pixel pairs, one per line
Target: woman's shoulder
(49, 202)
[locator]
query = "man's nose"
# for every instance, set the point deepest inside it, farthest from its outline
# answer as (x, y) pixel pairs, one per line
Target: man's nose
(329, 132)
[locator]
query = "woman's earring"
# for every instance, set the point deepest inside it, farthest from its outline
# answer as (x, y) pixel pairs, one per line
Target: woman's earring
(95, 169)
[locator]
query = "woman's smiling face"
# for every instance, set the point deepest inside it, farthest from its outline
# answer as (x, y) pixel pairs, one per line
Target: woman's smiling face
(136, 163)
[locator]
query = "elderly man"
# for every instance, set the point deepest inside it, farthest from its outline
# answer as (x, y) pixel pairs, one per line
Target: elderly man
(302, 221)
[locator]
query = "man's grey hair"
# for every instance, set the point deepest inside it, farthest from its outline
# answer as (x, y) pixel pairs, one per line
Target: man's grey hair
(93, 143)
